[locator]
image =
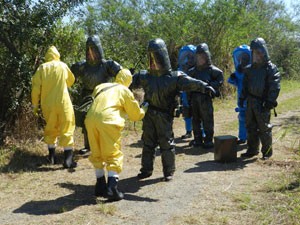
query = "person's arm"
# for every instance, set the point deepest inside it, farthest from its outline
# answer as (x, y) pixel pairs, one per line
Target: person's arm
(36, 88)
(187, 83)
(71, 78)
(137, 79)
(113, 68)
(273, 83)
(77, 69)
(132, 107)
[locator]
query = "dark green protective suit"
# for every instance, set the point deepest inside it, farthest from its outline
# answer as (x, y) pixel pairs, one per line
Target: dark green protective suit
(261, 88)
(202, 104)
(160, 92)
(93, 71)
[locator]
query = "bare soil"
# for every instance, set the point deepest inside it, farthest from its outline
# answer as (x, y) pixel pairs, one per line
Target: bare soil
(203, 191)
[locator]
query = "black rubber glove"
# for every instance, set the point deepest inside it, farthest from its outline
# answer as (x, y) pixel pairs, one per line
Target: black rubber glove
(210, 91)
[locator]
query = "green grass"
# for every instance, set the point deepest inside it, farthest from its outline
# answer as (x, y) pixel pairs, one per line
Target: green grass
(289, 86)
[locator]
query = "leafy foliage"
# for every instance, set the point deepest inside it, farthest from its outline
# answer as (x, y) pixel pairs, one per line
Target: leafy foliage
(125, 27)
(27, 28)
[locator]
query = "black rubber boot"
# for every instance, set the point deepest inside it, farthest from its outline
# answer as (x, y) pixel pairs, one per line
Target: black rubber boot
(143, 175)
(249, 154)
(51, 156)
(84, 151)
(187, 135)
(100, 188)
(267, 155)
(207, 145)
(113, 193)
(68, 160)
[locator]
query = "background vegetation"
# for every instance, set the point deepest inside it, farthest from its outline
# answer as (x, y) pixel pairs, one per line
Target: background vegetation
(28, 27)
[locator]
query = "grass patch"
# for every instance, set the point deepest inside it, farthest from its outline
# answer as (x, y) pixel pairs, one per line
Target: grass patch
(288, 104)
(282, 202)
(106, 209)
(289, 86)
(243, 200)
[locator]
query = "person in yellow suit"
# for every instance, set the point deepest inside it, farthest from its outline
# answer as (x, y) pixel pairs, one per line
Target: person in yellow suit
(50, 90)
(104, 122)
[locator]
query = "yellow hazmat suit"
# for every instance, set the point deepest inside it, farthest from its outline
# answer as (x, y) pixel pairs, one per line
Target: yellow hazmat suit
(106, 119)
(50, 88)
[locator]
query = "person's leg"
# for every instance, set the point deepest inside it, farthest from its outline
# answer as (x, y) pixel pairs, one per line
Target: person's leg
(207, 111)
(113, 157)
(100, 187)
(167, 145)
(51, 157)
(150, 141)
(96, 157)
(196, 121)
(188, 128)
(187, 116)
(252, 133)
(86, 148)
(265, 132)
(67, 128)
(51, 133)
(242, 127)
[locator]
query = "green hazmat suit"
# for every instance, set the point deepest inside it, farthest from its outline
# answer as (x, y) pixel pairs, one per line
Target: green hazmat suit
(106, 119)
(50, 89)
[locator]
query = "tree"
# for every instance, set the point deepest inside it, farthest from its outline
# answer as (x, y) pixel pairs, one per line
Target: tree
(27, 28)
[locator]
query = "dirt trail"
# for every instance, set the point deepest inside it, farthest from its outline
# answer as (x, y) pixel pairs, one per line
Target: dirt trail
(202, 192)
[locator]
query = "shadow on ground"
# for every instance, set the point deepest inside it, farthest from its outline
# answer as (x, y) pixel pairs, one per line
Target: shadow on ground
(132, 185)
(211, 165)
(83, 195)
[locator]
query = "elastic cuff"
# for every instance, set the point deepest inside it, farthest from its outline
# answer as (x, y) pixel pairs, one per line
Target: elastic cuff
(99, 173)
(112, 174)
(52, 146)
(68, 148)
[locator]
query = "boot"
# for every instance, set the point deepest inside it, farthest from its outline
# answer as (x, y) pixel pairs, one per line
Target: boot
(249, 154)
(208, 145)
(187, 135)
(68, 160)
(267, 155)
(100, 188)
(51, 156)
(113, 193)
(84, 151)
(143, 175)
(195, 143)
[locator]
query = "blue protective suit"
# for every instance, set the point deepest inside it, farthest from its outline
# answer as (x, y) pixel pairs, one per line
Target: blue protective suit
(237, 81)
(186, 60)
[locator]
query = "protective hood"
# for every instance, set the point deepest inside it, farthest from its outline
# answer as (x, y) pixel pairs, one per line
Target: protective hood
(124, 77)
(186, 57)
(241, 57)
(159, 61)
(203, 49)
(260, 44)
(52, 54)
(94, 51)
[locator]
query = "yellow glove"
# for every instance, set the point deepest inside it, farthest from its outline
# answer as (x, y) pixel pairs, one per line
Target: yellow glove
(35, 111)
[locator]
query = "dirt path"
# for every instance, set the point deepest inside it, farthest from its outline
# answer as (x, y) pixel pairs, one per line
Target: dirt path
(202, 192)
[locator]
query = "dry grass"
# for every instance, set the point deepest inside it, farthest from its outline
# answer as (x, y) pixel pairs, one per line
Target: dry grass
(203, 191)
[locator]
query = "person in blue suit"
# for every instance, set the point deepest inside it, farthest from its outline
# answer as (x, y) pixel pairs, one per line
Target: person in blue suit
(241, 58)
(186, 60)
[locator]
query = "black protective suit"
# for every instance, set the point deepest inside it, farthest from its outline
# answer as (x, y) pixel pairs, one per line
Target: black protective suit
(202, 105)
(94, 71)
(261, 86)
(161, 87)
